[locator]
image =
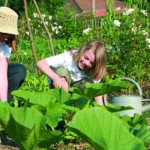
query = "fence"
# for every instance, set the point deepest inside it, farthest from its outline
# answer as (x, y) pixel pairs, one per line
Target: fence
(88, 23)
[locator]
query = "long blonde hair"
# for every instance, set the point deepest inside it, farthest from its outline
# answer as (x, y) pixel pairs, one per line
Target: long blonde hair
(99, 70)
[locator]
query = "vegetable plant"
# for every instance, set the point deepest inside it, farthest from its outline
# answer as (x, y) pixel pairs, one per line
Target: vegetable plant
(36, 122)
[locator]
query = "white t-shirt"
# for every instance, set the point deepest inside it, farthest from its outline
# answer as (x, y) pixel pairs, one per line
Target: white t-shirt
(5, 50)
(65, 60)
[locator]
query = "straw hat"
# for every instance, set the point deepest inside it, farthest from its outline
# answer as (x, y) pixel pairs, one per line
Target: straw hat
(8, 21)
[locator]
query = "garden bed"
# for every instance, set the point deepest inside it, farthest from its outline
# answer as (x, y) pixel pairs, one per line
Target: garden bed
(8, 144)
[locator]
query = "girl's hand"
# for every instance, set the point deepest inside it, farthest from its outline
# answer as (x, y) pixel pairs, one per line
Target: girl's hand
(99, 100)
(61, 83)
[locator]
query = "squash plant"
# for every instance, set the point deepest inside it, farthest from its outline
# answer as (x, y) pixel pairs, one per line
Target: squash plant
(35, 124)
(103, 130)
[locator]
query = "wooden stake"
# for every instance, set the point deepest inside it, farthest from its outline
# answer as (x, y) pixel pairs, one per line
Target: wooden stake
(6, 3)
(49, 35)
(30, 34)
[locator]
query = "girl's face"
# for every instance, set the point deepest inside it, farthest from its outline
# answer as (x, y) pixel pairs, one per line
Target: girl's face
(4, 37)
(87, 60)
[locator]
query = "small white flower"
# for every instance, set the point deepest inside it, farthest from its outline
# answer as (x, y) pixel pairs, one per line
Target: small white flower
(118, 8)
(128, 11)
(29, 19)
(109, 47)
(25, 53)
(27, 32)
(55, 23)
(46, 23)
(117, 48)
(117, 23)
(149, 46)
(56, 31)
(145, 33)
(35, 31)
(53, 28)
(60, 27)
(43, 15)
(35, 15)
(144, 12)
(148, 40)
(86, 31)
(50, 17)
(134, 29)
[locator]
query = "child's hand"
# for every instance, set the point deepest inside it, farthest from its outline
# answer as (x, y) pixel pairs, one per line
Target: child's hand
(61, 83)
(99, 100)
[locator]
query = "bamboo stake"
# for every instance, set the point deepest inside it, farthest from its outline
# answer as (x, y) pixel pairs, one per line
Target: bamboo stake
(30, 35)
(49, 35)
(6, 3)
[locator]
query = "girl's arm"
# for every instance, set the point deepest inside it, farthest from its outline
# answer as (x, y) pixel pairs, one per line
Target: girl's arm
(3, 78)
(98, 99)
(57, 81)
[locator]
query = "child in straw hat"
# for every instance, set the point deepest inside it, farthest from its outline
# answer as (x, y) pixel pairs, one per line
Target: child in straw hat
(11, 75)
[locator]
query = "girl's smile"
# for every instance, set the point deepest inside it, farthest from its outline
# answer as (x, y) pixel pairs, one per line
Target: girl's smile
(87, 60)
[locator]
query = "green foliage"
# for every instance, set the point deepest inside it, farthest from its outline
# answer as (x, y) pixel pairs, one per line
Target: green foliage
(52, 6)
(49, 5)
(16, 5)
(103, 130)
(138, 126)
(36, 122)
(127, 44)
(2, 2)
(69, 27)
(128, 55)
(93, 90)
(29, 127)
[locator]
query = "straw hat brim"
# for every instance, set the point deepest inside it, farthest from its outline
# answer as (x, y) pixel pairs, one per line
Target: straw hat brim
(8, 21)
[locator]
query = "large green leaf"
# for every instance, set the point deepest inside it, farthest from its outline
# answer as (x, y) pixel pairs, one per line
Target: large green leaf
(43, 98)
(49, 103)
(143, 133)
(78, 101)
(139, 127)
(52, 103)
(96, 89)
(113, 108)
(103, 130)
(27, 127)
(54, 111)
(33, 97)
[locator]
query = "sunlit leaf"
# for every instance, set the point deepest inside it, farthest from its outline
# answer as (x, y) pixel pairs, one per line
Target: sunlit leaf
(96, 89)
(103, 130)
(27, 127)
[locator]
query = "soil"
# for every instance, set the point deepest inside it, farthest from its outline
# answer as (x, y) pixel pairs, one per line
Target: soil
(7, 143)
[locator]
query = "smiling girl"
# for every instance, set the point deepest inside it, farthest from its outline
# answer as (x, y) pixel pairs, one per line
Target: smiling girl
(11, 75)
(76, 68)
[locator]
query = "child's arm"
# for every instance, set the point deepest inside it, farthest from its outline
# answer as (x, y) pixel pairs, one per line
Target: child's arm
(57, 81)
(99, 100)
(3, 79)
